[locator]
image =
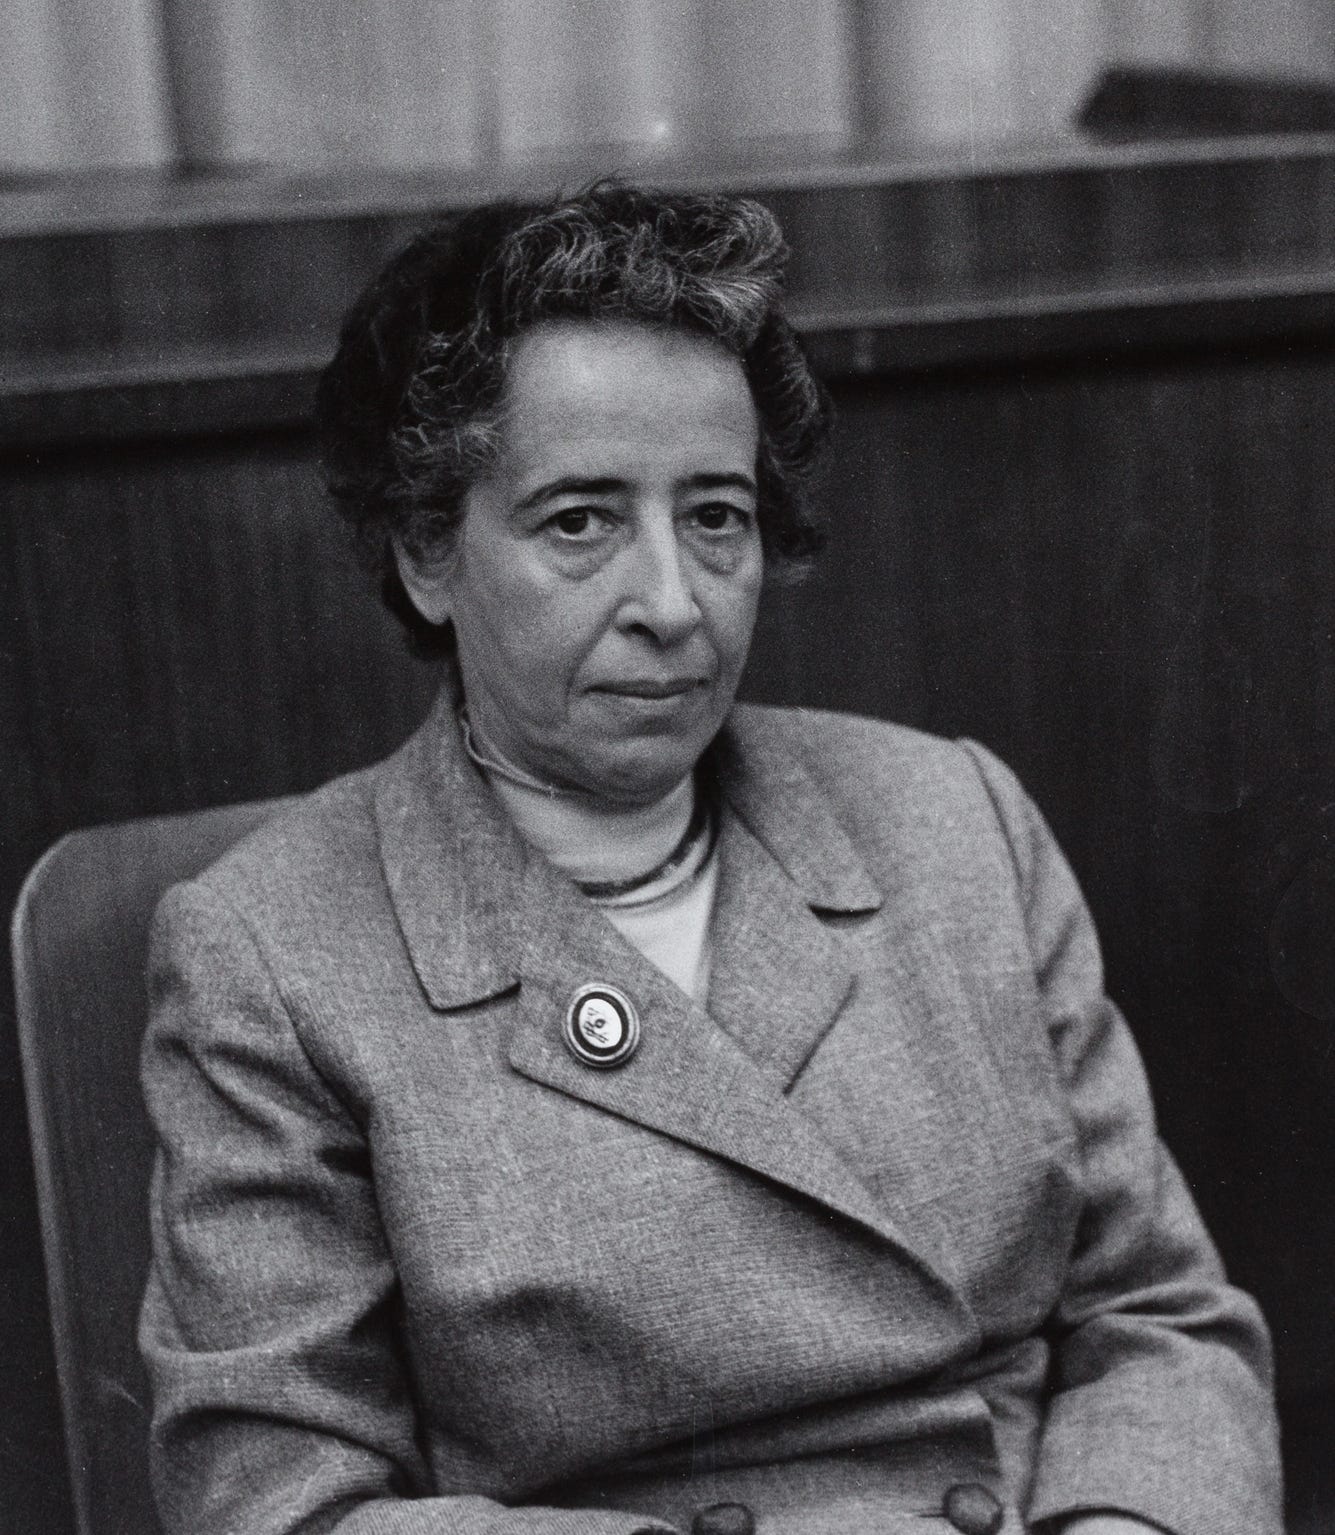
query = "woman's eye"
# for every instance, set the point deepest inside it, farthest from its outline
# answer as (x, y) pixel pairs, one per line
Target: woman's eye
(572, 522)
(720, 517)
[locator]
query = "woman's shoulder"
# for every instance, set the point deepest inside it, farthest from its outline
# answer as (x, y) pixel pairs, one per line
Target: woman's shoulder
(854, 754)
(938, 797)
(303, 865)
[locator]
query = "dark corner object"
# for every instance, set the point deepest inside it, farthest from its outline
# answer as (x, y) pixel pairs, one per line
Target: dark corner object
(1145, 102)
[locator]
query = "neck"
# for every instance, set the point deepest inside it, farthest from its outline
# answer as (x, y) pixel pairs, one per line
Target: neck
(587, 838)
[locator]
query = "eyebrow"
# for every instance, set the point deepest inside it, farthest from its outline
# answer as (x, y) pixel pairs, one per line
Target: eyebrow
(722, 482)
(580, 485)
(571, 484)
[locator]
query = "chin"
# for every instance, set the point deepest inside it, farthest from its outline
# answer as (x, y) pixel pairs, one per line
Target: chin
(642, 771)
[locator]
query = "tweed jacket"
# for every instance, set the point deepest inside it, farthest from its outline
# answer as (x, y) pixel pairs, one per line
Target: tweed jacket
(888, 1218)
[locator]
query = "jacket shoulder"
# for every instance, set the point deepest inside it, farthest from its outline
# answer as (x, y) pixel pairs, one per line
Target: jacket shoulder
(904, 793)
(816, 731)
(303, 866)
(852, 756)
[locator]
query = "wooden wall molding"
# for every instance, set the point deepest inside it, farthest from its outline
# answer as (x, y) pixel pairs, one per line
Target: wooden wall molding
(191, 307)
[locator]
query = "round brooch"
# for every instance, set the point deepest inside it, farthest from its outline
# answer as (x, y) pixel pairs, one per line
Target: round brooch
(602, 1027)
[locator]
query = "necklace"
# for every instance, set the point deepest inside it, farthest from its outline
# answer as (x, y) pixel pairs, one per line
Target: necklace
(683, 864)
(501, 767)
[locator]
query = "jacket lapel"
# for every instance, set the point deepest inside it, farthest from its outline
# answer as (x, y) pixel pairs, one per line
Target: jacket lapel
(780, 976)
(481, 916)
(452, 863)
(688, 1079)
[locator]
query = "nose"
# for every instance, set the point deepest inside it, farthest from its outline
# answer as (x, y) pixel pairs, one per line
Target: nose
(659, 595)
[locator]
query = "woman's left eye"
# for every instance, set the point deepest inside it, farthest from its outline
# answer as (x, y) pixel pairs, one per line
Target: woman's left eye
(720, 516)
(572, 521)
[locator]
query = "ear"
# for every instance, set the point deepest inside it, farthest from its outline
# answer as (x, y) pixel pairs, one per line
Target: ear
(427, 578)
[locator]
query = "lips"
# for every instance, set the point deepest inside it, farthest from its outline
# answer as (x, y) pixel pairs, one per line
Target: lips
(650, 687)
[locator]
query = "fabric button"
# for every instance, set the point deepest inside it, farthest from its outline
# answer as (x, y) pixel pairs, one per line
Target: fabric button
(602, 1028)
(724, 1519)
(973, 1510)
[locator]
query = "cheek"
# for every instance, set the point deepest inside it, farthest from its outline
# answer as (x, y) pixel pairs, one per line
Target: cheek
(532, 643)
(501, 611)
(531, 657)
(732, 609)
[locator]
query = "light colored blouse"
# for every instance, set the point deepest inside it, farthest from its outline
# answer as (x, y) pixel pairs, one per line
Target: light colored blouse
(667, 919)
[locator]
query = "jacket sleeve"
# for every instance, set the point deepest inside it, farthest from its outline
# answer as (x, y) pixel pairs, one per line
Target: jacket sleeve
(1161, 1400)
(271, 1324)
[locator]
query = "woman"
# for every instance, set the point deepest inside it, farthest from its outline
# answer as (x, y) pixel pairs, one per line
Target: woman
(623, 1109)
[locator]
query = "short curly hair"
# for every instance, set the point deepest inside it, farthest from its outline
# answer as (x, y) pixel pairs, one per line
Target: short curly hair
(409, 407)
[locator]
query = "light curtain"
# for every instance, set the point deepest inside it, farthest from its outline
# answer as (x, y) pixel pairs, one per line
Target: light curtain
(83, 85)
(468, 84)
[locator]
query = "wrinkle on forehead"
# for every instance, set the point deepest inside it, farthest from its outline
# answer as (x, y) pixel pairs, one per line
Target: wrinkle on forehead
(581, 398)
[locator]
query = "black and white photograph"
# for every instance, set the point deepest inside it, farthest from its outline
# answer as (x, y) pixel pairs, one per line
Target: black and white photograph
(667, 749)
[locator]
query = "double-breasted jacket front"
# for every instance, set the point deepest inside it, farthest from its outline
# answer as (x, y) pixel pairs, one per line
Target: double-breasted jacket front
(888, 1217)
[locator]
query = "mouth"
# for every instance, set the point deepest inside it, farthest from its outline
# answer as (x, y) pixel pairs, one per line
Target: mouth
(652, 688)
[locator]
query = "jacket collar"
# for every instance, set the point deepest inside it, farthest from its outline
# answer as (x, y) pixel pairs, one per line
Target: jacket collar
(452, 858)
(773, 793)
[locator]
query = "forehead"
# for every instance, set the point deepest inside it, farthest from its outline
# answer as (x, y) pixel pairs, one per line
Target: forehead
(585, 394)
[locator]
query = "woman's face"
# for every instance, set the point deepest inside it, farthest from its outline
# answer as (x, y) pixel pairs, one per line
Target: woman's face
(604, 584)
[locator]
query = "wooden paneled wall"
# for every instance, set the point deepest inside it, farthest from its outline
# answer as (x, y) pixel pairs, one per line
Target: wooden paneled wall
(1122, 578)
(1082, 507)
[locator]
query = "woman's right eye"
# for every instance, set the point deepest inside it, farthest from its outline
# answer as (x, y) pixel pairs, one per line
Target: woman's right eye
(572, 522)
